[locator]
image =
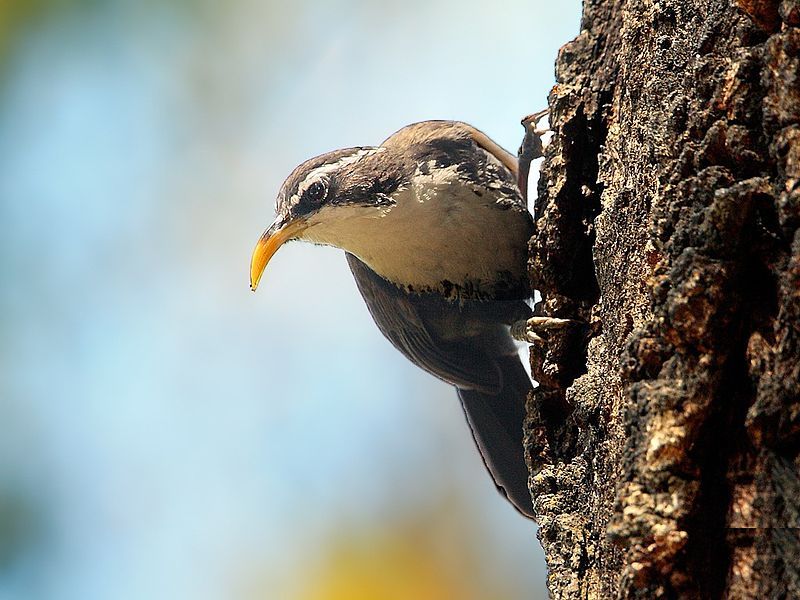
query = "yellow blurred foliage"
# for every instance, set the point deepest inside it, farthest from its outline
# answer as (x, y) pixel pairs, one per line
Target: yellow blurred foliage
(429, 555)
(389, 567)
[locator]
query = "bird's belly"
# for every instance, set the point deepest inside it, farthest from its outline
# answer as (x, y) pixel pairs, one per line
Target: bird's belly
(451, 234)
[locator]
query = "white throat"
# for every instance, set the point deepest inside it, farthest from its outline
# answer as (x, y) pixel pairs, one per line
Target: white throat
(438, 230)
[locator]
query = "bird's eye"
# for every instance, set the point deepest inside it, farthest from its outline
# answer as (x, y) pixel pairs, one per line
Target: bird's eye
(315, 192)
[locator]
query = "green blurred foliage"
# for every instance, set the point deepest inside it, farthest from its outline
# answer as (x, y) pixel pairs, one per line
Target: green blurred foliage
(18, 525)
(17, 16)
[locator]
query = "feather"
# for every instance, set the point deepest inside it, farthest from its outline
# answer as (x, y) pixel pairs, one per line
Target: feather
(467, 345)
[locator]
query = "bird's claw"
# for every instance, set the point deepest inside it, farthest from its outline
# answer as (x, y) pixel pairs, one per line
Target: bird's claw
(533, 145)
(535, 330)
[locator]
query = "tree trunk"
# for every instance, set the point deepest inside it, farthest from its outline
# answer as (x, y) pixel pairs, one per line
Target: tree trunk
(664, 436)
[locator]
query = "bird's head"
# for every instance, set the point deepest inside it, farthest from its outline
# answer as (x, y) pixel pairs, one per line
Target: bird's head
(328, 184)
(415, 209)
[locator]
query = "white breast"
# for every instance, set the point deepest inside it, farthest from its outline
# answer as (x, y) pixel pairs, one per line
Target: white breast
(438, 229)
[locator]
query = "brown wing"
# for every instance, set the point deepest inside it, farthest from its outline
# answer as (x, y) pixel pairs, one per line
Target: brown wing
(491, 382)
(409, 322)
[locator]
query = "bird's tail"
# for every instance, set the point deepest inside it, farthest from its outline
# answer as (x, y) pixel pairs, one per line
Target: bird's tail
(496, 422)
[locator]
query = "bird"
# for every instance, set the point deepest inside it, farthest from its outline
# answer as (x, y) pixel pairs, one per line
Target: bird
(435, 229)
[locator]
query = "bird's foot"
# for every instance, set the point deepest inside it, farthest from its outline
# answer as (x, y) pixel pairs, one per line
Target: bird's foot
(537, 329)
(533, 145)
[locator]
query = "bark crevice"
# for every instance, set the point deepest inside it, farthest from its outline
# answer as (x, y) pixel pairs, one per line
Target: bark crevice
(664, 444)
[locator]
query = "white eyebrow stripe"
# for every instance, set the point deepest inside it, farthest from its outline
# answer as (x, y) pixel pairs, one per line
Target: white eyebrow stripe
(329, 168)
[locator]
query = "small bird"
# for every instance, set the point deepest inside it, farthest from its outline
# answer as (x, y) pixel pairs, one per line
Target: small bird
(435, 228)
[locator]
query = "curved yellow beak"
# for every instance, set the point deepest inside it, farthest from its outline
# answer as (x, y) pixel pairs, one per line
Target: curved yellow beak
(272, 239)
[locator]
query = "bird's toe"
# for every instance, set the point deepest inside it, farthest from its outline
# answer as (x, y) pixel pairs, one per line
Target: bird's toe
(535, 330)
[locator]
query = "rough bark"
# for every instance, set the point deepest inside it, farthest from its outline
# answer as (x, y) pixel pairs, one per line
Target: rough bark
(664, 436)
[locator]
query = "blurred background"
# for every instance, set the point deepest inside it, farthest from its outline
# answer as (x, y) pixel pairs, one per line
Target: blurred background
(164, 432)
